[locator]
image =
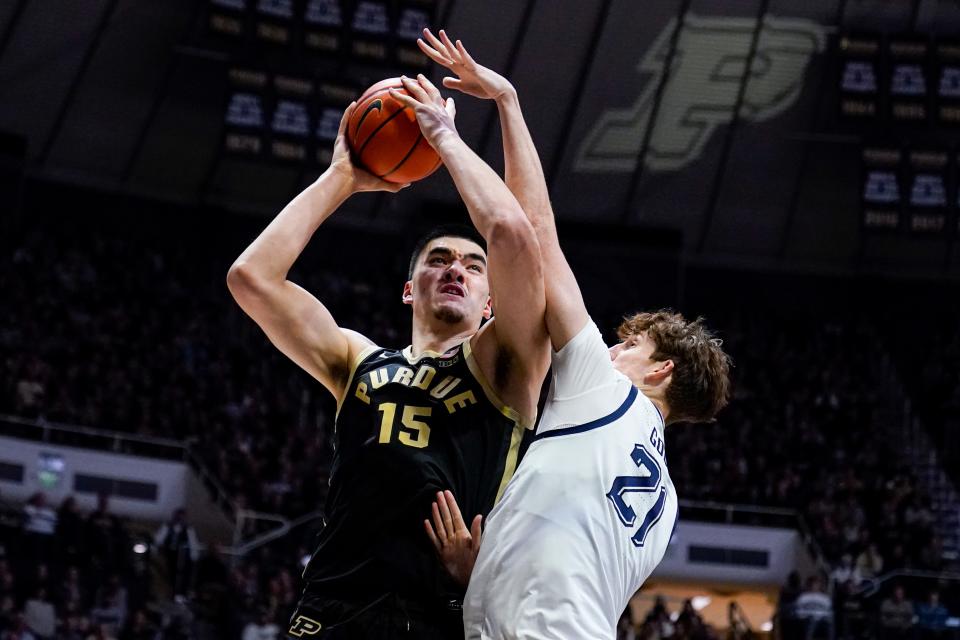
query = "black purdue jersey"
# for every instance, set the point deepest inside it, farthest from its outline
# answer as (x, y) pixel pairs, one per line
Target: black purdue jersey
(405, 429)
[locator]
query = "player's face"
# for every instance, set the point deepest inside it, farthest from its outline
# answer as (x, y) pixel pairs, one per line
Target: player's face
(632, 357)
(450, 281)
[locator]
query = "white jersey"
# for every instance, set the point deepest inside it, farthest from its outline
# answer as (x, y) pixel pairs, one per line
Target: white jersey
(586, 518)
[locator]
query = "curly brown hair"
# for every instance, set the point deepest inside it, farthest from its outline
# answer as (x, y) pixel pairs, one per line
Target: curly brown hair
(700, 382)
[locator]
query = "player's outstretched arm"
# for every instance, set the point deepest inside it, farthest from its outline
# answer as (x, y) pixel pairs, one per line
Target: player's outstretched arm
(456, 545)
(516, 279)
(295, 321)
(566, 312)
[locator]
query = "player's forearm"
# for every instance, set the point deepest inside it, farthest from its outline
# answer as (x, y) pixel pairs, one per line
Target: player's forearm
(488, 200)
(273, 253)
(565, 311)
(523, 171)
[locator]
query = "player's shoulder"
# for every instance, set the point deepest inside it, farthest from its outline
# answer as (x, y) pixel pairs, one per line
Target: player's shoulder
(359, 349)
(356, 341)
(585, 337)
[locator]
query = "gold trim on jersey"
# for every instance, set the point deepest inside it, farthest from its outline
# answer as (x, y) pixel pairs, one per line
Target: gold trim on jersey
(510, 464)
(408, 354)
(363, 355)
(519, 424)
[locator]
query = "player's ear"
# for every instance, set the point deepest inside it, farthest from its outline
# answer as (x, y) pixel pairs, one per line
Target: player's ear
(407, 292)
(488, 308)
(660, 373)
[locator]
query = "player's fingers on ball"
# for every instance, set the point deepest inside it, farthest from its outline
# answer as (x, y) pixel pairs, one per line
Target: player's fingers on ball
(404, 99)
(428, 86)
(399, 97)
(412, 87)
(345, 119)
(409, 84)
(415, 89)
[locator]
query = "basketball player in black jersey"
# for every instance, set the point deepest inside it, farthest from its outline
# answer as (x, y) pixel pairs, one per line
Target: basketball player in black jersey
(446, 412)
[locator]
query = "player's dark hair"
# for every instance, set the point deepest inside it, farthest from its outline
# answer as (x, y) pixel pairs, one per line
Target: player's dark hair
(444, 231)
(700, 382)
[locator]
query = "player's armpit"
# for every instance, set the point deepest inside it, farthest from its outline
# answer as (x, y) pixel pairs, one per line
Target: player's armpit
(299, 326)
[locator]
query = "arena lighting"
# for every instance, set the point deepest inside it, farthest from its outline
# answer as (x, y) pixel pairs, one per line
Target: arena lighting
(699, 602)
(140, 548)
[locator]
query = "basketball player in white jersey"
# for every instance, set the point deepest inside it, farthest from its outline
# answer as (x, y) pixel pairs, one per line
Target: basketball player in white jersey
(589, 513)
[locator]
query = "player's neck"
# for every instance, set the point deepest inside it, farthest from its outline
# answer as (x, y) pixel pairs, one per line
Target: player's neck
(656, 397)
(438, 339)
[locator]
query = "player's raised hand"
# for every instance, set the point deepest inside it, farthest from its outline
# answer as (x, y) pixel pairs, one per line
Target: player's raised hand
(434, 114)
(456, 545)
(472, 78)
(359, 179)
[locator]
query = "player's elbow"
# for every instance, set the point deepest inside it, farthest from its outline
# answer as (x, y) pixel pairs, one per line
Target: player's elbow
(243, 281)
(511, 231)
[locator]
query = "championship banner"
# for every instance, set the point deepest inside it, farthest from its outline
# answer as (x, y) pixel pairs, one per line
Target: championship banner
(948, 82)
(378, 33)
(907, 80)
(880, 190)
(247, 112)
(291, 118)
(859, 73)
(927, 202)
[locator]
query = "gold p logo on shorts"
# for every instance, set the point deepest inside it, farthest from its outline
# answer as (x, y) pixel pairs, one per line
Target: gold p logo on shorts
(304, 626)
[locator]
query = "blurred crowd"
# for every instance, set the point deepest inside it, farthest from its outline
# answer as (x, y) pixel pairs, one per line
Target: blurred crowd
(805, 611)
(806, 430)
(935, 343)
(157, 348)
(71, 575)
(659, 624)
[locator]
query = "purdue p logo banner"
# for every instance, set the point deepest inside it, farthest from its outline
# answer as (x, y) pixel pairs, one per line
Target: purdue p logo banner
(304, 626)
(701, 92)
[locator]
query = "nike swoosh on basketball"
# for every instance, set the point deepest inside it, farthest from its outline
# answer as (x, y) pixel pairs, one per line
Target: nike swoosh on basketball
(375, 105)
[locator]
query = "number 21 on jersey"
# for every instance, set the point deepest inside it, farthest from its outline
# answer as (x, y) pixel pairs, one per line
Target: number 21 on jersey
(649, 483)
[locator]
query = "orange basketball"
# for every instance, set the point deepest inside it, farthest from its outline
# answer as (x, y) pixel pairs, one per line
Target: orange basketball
(386, 139)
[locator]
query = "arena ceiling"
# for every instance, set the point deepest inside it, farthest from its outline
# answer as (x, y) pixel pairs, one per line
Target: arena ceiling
(739, 146)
